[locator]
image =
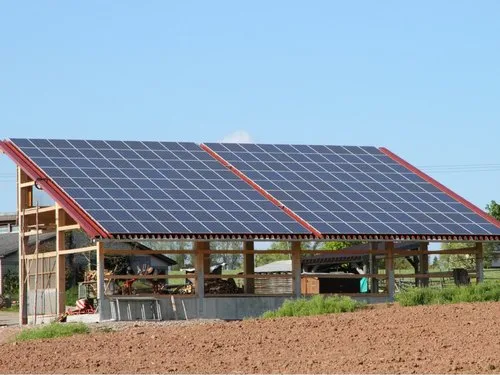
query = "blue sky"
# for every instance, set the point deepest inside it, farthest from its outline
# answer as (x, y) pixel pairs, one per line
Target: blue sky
(420, 78)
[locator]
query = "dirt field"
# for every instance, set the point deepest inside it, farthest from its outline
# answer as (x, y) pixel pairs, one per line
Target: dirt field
(461, 338)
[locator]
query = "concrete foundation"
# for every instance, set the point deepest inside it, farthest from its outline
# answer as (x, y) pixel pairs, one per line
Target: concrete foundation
(226, 308)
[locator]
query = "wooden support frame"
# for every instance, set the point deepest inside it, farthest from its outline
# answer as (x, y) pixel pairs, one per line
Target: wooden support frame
(296, 268)
(24, 200)
(200, 247)
(100, 278)
(424, 264)
(249, 266)
(60, 266)
(389, 270)
(373, 267)
(479, 263)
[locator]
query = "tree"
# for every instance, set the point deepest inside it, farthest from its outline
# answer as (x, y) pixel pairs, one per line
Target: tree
(261, 259)
(494, 210)
(233, 261)
(450, 261)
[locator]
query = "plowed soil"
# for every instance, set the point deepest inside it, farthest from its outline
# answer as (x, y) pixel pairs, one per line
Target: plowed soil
(463, 338)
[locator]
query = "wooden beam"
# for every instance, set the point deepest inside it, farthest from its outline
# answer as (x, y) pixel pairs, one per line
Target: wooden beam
(47, 254)
(389, 269)
(60, 267)
(65, 228)
(479, 263)
(24, 199)
(296, 268)
(152, 277)
(100, 278)
(200, 247)
(79, 250)
(373, 267)
(32, 210)
(145, 252)
(424, 263)
(27, 184)
(424, 276)
(342, 276)
(249, 266)
(345, 252)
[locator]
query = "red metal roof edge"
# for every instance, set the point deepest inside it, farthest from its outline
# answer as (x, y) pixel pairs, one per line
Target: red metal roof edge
(440, 186)
(88, 224)
(302, 237)
(262, 191)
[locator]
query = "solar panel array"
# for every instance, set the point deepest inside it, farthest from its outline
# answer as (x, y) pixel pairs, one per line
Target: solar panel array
(156, 187)
(133, 187)
(352, 190)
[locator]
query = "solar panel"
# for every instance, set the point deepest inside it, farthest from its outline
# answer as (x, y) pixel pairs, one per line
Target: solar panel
(352, 190)
(156, 187)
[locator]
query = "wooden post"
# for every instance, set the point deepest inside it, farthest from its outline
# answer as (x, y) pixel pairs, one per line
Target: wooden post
(200, 266)
(389, 269)
(479, 263)
(60, 265)
(296, 268)
(23, 201)
(100, 278)
(249, 267)
(373, 268)
(1, 276)
(424, 263)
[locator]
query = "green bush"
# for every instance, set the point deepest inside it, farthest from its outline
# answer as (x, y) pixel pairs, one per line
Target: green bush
(52, 330)
(316, 305)
(487, 291)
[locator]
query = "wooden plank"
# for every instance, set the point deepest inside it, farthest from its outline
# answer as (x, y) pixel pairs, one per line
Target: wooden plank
(424, 275)
(343, 276)
(27, 184)
(48, 254)
(77, 251)
(145, 252)
(465, 250)
(149, 277)
(344, 252)
(68, 227)
(32, 210)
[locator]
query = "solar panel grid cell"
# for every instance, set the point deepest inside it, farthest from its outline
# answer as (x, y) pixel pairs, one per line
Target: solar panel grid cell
(152, 187)
(364, 189)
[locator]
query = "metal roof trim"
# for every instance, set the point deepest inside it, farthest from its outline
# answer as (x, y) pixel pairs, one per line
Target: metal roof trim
(440, 186)
(88, 224)
(262, 191)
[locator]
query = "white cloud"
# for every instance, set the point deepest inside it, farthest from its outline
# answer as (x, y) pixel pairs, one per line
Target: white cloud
(240, 136)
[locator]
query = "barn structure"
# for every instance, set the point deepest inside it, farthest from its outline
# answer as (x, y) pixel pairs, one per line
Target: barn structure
(180, 192)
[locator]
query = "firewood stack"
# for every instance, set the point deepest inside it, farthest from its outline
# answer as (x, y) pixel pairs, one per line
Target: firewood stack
(221, 286)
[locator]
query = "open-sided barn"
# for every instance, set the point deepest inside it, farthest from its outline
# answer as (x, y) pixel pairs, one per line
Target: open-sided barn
(119, 191)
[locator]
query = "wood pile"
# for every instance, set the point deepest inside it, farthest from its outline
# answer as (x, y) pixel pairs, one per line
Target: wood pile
(221, 286)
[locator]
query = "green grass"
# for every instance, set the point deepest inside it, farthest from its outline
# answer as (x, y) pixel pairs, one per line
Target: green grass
(51, 331)
(487, 291)
(14, 308)
(316, 305)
